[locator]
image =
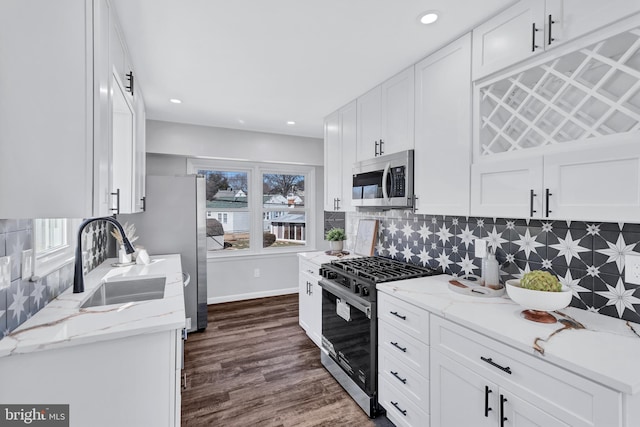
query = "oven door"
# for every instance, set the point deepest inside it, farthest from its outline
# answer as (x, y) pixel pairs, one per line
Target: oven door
(349, 334)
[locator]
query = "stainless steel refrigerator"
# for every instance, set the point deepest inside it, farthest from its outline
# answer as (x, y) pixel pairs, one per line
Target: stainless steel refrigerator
(174, 221)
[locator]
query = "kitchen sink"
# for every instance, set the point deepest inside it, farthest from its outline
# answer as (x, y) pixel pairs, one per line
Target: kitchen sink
(119, 291)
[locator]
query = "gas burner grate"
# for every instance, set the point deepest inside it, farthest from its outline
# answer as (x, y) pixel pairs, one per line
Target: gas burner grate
(379, 269)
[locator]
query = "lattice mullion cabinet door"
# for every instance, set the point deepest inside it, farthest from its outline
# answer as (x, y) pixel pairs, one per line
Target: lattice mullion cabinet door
(600, 182)
(507, 187)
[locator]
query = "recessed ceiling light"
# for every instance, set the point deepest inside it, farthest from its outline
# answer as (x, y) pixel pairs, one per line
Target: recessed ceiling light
(175, 101)
(429, 17)
(291, 123)
(241, 121)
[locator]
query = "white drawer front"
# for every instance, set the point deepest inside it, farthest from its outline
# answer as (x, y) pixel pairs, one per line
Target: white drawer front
(309, 267)
(408, 381)
(564, 395)
(400, 409)
(407, 349)
(404, 316)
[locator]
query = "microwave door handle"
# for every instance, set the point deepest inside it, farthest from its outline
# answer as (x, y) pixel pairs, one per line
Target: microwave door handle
(385, 176)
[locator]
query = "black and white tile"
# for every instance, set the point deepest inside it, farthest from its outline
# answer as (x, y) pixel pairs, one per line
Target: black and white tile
(588, 257)
(24, 298)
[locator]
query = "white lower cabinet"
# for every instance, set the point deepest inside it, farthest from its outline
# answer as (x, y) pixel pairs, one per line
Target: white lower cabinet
(403, 361)
(310, 300)
(476, 381)
(131, 381)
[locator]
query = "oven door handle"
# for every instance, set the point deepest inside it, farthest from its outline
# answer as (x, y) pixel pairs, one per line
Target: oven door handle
(353, 300)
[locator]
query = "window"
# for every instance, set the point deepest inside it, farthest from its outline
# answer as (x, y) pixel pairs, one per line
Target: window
(256, 208)
(54, 243)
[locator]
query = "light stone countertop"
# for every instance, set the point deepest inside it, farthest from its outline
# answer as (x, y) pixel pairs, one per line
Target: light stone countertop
(320, 257)
(62, 323)
(606, 351)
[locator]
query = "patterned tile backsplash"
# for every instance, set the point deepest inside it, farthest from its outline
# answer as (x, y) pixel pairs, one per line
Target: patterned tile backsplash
(22, 298)
(586, 256)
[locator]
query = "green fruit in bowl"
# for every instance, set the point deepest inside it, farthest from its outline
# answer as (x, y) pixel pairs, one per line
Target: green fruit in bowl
(539, 280)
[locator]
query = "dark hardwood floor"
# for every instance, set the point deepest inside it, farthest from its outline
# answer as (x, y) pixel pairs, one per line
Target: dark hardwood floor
(255, 366)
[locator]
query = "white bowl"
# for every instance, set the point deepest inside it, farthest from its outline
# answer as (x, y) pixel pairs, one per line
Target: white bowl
(538, 300)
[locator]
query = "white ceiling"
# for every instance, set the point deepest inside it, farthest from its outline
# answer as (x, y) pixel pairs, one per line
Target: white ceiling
(265, 62)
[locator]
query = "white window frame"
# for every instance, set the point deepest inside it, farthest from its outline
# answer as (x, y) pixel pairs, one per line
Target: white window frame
(255, 201)
(47, 261)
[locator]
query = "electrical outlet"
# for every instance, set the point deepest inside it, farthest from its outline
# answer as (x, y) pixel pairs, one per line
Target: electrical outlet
(27, 264)
(256, 272)
(480, 247)
(632, 269)
(5, 271)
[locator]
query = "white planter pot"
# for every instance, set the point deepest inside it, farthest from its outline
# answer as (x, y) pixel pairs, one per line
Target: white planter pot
(336, 245)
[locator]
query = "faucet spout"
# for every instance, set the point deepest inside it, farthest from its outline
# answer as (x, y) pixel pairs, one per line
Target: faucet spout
(78, 278)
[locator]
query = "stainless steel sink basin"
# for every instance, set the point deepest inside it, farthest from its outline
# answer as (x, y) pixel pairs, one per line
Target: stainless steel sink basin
(120, 291)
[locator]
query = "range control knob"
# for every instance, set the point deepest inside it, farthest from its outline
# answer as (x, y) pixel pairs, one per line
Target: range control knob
(365, 291)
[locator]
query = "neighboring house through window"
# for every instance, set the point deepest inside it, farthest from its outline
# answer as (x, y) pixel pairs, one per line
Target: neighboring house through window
(258, 207)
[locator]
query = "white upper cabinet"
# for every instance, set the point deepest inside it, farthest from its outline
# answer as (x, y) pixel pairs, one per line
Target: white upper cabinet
(385, 117)
(513, 35)
(532, 26)
(568, 19)
(340, 155)
(56, 155)
(443, 130)
(368, 127)
(398, 112)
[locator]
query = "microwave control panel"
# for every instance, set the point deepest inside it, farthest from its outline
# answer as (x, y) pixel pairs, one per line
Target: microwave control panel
(397, 182)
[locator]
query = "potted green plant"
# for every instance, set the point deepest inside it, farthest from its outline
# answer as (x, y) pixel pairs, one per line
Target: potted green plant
(336, 236)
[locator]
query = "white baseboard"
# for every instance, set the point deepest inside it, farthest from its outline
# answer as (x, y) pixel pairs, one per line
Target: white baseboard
(252, 295)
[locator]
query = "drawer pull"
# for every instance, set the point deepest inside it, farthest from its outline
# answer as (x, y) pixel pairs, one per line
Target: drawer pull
(492, 363)
(395, 313)
(486, 401)
(402, 411)
(403, 349)
(402, 380)
(502, 417)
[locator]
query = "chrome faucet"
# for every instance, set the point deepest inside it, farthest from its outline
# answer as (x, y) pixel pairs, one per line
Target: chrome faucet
(78, 278)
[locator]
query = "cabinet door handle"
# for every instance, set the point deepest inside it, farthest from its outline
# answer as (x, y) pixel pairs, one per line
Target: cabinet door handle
(492, 363)
(337, 203)
(402, 411)
(547, 194)
(310, 288)
(395, 313)
(381, 144)
(486, 401)
(531, 196)
(144, 203)
(402, 380)
(395, 344)
(116, 210)
(550, 22)
(130, 78)
(534, 30)
(502, 417)
(376, 149)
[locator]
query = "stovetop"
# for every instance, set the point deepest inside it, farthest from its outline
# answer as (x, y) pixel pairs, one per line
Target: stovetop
(360, 275)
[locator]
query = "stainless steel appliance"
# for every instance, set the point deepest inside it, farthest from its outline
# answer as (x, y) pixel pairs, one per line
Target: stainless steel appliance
(349, 321)
(384, 181)
(174, 221)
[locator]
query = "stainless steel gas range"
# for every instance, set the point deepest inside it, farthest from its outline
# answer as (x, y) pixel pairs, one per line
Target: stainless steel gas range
(349, 321)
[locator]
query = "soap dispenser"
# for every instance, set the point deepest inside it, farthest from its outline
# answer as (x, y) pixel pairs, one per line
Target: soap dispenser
(492, 270)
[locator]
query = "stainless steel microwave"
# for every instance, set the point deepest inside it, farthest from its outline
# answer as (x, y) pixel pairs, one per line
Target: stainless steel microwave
(384, 181)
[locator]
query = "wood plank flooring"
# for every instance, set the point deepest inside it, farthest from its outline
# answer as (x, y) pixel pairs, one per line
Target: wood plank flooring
(255, 366)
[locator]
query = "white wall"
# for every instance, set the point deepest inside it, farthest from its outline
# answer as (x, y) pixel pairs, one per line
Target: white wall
(232, 278)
